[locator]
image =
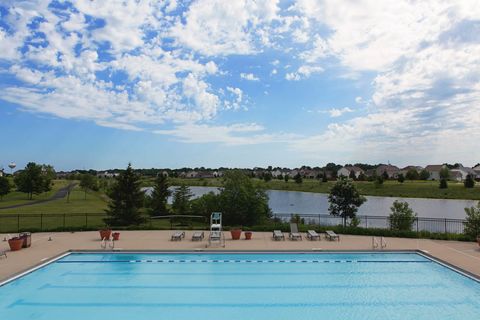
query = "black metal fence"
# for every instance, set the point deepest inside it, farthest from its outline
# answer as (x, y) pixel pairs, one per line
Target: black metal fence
(90, 221)
(440, 225)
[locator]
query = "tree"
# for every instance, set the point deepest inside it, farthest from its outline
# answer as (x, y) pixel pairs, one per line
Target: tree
(402, 216)
(159, 197)
(267, 176)
(88, 182)
(32, 180)
(412, 174)
(472, 222)
(241, 201)
(385, 175)
(286, 177)
(401, 178)
(362, 177)
(4, 186)
(344, 200)
(469, 182)
(444, 173)
(352, 175)
(324, 177)
(206, 204)
(378, 181)
(126, 199)
(298, 178)
(443, 183)
(424, 175)
(181, 200)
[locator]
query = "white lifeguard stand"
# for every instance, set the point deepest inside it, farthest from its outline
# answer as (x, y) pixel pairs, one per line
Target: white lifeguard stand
(216, 233)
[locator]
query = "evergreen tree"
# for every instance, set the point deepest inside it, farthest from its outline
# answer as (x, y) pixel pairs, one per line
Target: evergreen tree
(159, 197)
(385, 175)
(4, 186)
(412, 174)
(345, 200)
(443, 183)
(472, 223)
(402, 216)
(469, 182)
(298, 178)
(424, 175)
(324, 178)
(352, 175)
(181, 200)
(286, 177)
(401, 178)
(126, 199)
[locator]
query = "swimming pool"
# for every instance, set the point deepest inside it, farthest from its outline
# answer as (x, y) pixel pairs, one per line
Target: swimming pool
(241, 286)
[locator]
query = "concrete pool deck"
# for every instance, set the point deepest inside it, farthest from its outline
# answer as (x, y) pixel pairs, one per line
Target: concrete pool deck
(463, 255)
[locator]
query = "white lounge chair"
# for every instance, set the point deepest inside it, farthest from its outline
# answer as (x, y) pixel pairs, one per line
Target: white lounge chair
(178, 236)
(294, 234)
(330, 235)
(278, 235)
(198, 236)
(313, 235)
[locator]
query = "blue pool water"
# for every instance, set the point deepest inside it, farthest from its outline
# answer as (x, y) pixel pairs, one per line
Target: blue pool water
(242, 286)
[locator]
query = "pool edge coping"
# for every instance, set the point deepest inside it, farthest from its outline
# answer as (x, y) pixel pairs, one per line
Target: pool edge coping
(420, 252)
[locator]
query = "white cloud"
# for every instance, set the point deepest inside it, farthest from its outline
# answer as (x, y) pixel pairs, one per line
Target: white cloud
(335, 112)
(303, 72)
(249, 76)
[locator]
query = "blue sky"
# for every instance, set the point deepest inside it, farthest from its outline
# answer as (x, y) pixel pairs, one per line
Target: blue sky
(98, 84)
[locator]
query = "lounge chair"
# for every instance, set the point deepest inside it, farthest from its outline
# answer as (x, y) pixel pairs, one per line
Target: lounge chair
(178, 235)
(330, 235)
(313, 235)
(198, 236)
(3, 253)
(294, 234)
(278, 235)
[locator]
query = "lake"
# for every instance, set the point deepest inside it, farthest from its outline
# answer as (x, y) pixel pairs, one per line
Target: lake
(317, 203)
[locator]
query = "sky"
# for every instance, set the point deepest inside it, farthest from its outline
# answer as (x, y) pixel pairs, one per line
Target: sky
(240, 83)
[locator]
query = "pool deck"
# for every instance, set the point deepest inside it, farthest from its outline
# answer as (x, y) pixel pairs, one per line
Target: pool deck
(464, 255)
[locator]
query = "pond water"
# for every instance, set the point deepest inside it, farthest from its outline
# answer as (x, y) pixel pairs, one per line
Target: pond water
(317, 203)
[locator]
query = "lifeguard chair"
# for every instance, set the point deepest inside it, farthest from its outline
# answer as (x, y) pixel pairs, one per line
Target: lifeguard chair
(216, 236)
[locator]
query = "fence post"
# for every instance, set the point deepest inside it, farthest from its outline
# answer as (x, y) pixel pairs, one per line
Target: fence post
(41, 221)
(366, 221)
(445, 225)
(86, 220)
(319, 216)
(417, 224)
(64, 217)
(18, 223)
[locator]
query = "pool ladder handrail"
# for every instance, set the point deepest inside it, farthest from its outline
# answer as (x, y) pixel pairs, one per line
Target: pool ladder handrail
(374, 243)
(379, 245)
(111, 243)
(383, 243)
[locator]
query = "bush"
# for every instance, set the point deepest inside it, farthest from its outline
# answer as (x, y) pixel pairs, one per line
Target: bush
(472, 223)
(402, 216)
(469, 182)
(443, 183)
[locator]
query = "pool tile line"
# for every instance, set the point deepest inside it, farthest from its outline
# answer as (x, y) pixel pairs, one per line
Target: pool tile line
(243, 261)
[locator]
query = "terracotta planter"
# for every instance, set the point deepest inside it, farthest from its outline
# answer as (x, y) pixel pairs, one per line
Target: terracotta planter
(236, 233)
(15, 244)
(116, 236)
(248, 235)
(105, 234)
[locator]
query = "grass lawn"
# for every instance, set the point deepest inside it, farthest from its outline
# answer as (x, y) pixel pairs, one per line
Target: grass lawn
(410, 189)
(15, 197)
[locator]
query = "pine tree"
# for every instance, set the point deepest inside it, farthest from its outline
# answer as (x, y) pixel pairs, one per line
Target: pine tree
(443, 183)
(126, 200)
(160, 194)
(181, 200)
(469, 182)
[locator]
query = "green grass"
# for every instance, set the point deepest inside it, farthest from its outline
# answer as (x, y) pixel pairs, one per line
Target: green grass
(15, 197)
(410, 189)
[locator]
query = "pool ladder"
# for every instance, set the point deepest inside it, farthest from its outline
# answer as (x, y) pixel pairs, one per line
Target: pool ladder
(110, 243)
(379, 245)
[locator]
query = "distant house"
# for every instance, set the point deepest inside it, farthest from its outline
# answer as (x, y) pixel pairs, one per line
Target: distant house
(191, 174)
(461, 173)
(408, 168)
(476, 169)
(309, 174)
(434, 171)
(392, 171)
(293, 173)
(456, 175)
(218, 174)
(277, 173)
(345, 171)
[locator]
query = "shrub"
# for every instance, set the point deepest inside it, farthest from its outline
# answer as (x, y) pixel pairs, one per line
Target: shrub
(472, 223)
(402, 216)
(469, 182)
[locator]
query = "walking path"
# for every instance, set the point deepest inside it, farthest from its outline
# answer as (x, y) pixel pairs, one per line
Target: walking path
(61, 193)
(464, 255)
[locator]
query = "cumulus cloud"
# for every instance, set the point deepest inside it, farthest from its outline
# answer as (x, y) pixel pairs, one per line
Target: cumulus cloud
(249, 76)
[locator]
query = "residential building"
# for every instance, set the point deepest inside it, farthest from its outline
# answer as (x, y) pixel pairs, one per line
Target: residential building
(345, 171)
(434, 171)
(392, 171)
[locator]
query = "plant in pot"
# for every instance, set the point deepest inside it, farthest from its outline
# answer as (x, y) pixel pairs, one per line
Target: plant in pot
(116, 236)
(236, 232)
(15, 243)
(248, 235)
(105, 233)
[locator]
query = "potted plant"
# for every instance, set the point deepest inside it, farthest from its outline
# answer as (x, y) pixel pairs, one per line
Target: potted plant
(105, 233)
(236, 233)
(248, 235)
(116, 236)
(15, 243)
